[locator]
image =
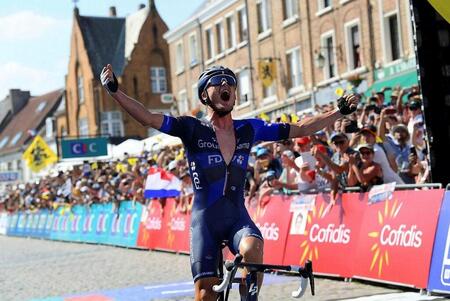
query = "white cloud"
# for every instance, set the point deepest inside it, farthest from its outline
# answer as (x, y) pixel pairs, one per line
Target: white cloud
(14, 75)
(25, 25)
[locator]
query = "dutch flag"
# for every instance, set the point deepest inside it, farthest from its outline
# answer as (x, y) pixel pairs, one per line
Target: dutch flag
(161, 183)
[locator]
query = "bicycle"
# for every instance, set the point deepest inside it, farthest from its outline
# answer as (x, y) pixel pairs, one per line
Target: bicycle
(228, 278)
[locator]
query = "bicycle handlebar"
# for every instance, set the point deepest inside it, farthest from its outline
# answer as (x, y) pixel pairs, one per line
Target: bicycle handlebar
(305, 273)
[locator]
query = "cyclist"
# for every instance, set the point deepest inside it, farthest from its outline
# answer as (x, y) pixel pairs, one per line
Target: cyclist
(217, 151)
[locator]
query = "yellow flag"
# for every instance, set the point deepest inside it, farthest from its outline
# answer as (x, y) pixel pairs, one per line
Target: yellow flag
(294, 118)
(121, 168)
(284, 118)
(94, 166)
(264, 117)
(267, 72)
(132, 161)
(443, 8)
(39, 155)
(339, 91)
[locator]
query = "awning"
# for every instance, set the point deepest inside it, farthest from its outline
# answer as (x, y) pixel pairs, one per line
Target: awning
(404, 80)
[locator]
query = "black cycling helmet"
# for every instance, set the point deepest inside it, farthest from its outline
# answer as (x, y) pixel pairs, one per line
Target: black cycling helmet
(207, 74)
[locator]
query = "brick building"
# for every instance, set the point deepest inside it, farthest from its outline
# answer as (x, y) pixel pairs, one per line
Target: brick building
(139, 55)
(290, 55)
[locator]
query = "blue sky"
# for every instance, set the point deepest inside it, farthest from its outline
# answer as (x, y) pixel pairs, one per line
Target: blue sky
(35, 35)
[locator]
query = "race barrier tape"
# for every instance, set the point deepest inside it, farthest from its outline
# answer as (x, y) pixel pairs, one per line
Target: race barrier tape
(398, 240)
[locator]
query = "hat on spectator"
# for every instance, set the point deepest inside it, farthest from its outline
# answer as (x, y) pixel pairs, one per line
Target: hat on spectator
(366, 146)
(84, 189)
(172, 165)
(261, 152)
(394, 93)
(255, 149)
(369, 129)
(303, 140)
(101, 179)
(320, 133)
(321, 148)
(337, 135)
(96, 186)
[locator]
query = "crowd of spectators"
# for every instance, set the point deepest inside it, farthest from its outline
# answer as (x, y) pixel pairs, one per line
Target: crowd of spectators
(382, 142)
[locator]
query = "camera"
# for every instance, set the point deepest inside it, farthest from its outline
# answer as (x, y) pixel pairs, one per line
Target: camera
(352, 127)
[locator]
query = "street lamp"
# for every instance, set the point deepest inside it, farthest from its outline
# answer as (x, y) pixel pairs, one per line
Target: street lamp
(319, 58)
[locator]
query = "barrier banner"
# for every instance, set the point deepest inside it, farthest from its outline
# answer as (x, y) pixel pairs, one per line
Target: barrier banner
(178, 228)
(3, 223)
(439, 279)
(324, 233)
(21, 223)
(103, 221)
(42, 222)
(271, 217)
(75, 222)
(125, 225)
(88, 226)
(152, 224)
(12, 224)
(397, 238)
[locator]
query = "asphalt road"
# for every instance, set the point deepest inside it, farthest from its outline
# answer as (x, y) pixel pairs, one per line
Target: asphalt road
(32, 269)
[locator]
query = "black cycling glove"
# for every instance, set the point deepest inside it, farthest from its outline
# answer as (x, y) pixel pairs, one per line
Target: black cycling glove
(110, 85)
(344, 107)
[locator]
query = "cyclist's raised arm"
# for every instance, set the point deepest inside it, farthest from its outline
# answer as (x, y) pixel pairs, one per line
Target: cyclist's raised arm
(133, 107)
(347, 105)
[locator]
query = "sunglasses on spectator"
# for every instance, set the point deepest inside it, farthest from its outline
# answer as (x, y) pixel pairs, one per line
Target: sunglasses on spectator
(217, 80)
(339, 142)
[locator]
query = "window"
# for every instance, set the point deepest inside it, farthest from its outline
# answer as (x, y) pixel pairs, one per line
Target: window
(220, 35)
(158, 79)
(209, 44)
(353, 47)
(244, 86)
(194, 98)
(80, 90)
(183, 106)
(15, 139)
(263, 11)
(40, 107)
(83, 127)
(231, 32)
(294, 68)
(269, 91)
(179, 61)
(4, 141)
(19, 164)
(243, 28)
(193, 49)
(330, 61)
(289, 9)
(111, 123)
(324, 4)
(392, 38)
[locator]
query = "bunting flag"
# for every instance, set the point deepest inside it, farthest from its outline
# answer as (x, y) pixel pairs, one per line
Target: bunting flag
(442, 7)
(284, 118)
(264, 117)
(161, 184)
(294, 118)
(39, 155)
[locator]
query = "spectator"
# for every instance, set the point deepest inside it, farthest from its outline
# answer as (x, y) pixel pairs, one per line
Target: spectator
(364, 173)
(289, 176)
(264, 163)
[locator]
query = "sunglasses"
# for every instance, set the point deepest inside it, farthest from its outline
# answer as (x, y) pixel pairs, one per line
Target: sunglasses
(217, 80)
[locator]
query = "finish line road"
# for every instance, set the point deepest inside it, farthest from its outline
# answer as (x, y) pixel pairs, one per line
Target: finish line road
(38, 270)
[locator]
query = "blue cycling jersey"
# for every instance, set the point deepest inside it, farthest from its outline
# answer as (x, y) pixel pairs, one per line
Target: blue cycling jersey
(218, 211)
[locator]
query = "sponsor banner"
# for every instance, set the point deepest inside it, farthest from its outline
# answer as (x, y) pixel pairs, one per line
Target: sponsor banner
(439, 279)
(102, 225)
(12, 224)
(327, 235)
(9, 176)
(3, 222)
(88, 147)
(124, 225)
(396, 238)
(152, 224)
(270, 217)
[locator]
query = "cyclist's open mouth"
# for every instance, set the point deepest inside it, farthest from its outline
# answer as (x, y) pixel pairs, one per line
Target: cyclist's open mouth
(225, 95)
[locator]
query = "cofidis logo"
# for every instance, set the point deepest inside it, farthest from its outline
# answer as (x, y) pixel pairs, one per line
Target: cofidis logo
(391, 235)
(319, 232)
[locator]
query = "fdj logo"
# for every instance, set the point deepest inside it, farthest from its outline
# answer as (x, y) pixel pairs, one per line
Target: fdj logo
(214, 159)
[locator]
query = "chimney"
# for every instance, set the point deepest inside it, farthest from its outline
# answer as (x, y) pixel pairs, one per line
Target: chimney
(141, 6)
(151, 4)
(112, 11)
(18, 99)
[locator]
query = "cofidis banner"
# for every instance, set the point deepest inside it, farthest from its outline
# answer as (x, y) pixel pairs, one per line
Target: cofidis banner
(324, 233)
(396, 238)
(439, 279)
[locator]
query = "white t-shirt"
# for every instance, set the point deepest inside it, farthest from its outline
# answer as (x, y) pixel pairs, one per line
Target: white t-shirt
(389, 175)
